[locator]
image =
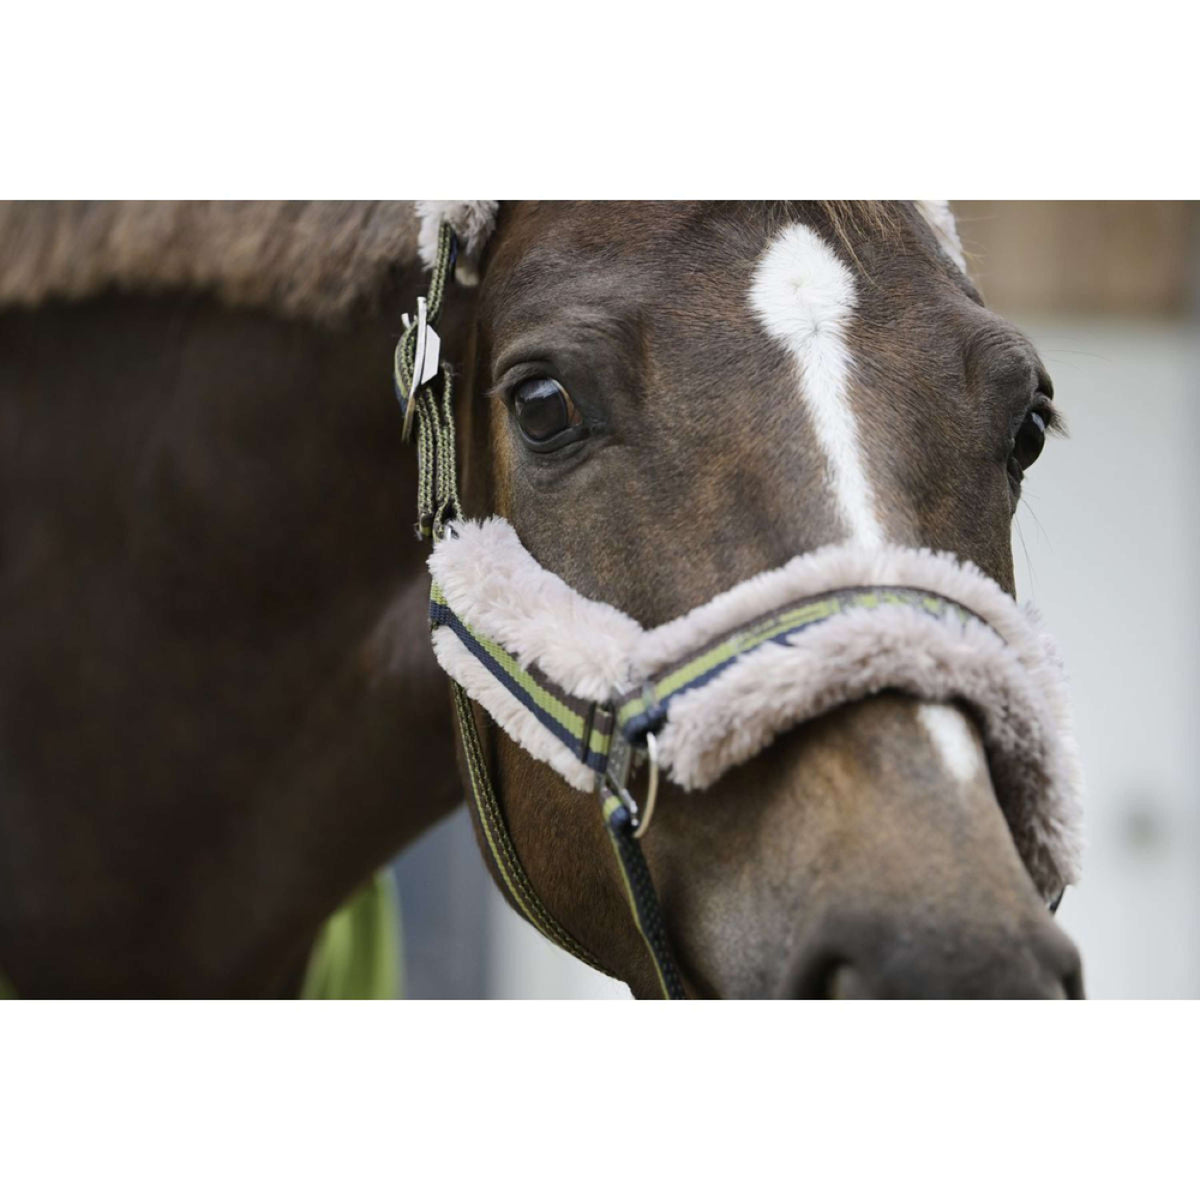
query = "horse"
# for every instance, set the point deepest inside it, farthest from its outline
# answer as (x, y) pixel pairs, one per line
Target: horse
(219, 707)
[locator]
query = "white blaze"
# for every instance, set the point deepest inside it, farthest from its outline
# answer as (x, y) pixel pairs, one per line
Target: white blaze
(953, 739)
(804, 296)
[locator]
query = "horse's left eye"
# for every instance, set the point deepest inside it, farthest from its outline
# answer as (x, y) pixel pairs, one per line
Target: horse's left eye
(1030, 439)
(544, 413)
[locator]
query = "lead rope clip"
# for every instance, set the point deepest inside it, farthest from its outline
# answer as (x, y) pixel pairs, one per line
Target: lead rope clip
(614, 782)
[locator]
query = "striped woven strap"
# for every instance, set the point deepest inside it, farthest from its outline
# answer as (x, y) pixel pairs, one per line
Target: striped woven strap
(587, 729)
(645, 708)
(583, 727)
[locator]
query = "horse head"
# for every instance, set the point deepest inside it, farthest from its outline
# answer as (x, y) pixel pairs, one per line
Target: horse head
(668, 399)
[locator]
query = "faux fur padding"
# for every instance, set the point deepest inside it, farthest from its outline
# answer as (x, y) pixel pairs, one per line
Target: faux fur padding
(472, 220)
(311, 259)
(858, 654)
(940, 219)
(507, 711)
(500, 590)
(1013, 683)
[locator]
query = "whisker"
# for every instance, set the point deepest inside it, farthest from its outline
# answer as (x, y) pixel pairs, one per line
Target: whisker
(1025, 549)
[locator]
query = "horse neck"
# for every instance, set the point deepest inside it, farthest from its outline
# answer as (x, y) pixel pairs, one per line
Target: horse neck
(220, 611)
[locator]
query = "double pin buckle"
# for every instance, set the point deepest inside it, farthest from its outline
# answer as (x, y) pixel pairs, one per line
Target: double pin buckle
(426, 361)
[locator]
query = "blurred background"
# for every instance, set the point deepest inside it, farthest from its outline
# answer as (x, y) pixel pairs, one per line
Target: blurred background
(1105, 545)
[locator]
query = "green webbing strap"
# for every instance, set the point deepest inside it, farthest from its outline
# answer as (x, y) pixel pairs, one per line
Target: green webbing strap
(499, 841)
(437, 475)
(645, 707)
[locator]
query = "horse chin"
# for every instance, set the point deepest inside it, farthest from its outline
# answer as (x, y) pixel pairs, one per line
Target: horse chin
(863, 856)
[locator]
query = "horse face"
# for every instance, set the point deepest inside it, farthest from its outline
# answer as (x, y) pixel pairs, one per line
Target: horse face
(680, 396)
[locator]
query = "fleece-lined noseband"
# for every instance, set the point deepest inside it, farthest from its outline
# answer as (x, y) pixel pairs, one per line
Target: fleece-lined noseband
(583, 687)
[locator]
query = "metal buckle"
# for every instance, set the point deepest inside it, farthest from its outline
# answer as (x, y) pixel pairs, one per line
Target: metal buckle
(615, 780)
(426, 361)
(615, 775)
(620, 762)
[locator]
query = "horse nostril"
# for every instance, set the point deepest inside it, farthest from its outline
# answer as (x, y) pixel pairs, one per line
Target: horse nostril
(873, 959)
(1062, 959)
(845, 983)
(824, 975)
(819, 975)
(1074, 982)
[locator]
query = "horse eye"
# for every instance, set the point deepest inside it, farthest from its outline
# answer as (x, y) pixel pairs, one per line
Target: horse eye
(1030, 439)
(544, 411)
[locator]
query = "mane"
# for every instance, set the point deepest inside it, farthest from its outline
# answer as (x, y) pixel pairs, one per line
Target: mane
(310, 259)
(887, 222)
(318, 260)
(879, 217)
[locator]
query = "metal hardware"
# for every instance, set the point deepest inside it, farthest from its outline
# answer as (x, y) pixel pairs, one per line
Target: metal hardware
(426, 361)
(612, 782)
(651, 786)
(620, 761)
(623, 758)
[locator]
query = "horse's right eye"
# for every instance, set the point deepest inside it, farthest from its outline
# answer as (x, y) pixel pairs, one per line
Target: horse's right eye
(544, 413)
(1028, 441)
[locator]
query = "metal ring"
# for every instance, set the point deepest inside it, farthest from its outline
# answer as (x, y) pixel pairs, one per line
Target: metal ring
(651, 787)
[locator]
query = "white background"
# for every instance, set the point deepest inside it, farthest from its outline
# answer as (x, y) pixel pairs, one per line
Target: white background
(1052, 99)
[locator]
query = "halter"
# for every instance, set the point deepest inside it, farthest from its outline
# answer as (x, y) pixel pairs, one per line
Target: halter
(583, 687)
